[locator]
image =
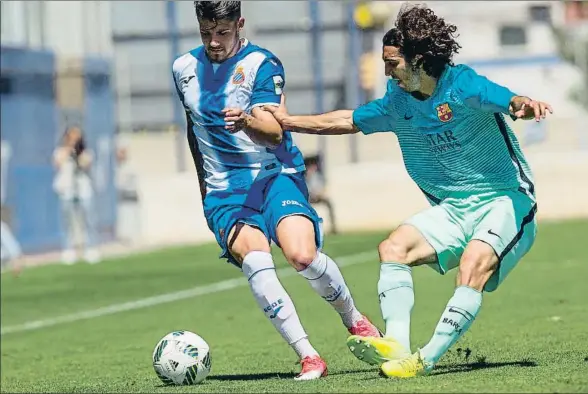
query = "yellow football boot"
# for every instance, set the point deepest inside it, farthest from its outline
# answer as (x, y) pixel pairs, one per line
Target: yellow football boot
(408, 367)
(376, 350)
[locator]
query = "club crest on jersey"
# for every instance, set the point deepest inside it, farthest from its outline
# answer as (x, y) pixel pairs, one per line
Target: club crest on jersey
(239, 76)
(444, 112)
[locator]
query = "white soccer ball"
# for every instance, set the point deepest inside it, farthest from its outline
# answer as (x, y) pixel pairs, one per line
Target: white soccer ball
(182, 358)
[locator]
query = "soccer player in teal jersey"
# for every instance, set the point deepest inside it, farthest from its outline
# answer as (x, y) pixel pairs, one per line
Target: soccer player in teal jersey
(461, 153)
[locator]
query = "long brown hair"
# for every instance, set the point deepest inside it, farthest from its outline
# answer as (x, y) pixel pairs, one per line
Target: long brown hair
(422, 35)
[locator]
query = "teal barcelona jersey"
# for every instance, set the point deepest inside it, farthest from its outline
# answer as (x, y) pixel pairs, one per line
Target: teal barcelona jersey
(457, 141)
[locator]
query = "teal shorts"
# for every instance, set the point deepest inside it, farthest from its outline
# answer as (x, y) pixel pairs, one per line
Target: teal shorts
(504, 220)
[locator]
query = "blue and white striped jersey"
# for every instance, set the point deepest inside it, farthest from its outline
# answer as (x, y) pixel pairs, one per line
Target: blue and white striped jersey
(230, 162)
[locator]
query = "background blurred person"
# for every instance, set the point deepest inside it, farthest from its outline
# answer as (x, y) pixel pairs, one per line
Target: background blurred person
(74, 186)
(317, 187)
(10, 250)
(128, 223)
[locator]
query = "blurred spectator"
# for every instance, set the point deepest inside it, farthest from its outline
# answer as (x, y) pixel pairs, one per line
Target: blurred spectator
(128, 223)
(73, 185)
(10, 251)
(315, 180)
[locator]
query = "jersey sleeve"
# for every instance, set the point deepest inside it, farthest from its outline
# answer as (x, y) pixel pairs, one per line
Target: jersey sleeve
(177, 68)
(478, 92)
(373, 118)
(269, 83)
(178, 91)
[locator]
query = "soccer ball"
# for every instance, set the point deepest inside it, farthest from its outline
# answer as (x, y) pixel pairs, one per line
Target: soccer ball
(182, 358)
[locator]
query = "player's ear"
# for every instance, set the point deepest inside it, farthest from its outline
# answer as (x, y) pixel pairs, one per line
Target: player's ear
(241, 23)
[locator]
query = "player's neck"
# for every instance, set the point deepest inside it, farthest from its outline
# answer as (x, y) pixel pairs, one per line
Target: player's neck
(428, 85)
(237, 47)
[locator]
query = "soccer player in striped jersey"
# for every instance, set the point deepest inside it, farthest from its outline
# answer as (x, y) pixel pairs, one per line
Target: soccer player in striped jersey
(251, 176)
(460, 152)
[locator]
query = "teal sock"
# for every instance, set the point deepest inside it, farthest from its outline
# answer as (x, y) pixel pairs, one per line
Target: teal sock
(458, 316)
(396, 300)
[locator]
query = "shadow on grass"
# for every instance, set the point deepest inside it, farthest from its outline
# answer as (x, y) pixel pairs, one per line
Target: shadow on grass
(242, 377)
(480, 364)
(253, 376)
(274, 375)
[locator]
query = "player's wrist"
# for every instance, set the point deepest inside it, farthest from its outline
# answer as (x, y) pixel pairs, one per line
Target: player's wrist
(515, 104)
(286, 121)
(248, 121)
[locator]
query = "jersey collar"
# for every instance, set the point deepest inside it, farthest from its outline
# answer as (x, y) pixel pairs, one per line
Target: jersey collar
(245, 49)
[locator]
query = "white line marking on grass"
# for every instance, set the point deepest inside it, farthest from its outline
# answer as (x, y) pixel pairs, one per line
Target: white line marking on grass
(165, 298)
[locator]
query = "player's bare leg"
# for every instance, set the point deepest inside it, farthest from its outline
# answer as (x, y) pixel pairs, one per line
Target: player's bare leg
(297, 239)
(252, 250)
(403, 249)
(477, 264)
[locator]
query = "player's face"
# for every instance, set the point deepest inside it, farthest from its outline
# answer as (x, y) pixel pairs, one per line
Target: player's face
(221, 38)
(399, 70)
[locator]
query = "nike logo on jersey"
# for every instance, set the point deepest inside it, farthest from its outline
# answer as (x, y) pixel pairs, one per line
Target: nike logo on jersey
(493, 233)
(406, 117)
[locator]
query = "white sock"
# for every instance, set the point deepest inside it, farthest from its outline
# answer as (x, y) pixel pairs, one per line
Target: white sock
(303, 348)
(326, 279)
(275, 302)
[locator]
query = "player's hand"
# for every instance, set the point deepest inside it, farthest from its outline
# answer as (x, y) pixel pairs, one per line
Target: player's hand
(280, 113)
(525, 108)
(236, 119)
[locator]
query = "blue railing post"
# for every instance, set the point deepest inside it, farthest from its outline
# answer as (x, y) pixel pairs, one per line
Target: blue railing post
(354, 91)
(178, 116)
(317, 69)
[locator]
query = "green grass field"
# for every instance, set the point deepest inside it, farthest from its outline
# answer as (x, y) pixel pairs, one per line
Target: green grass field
(531, 335)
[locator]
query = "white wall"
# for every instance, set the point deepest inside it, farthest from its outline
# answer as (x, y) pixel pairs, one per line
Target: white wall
(70, 28)
(381, 194)
(13, 26)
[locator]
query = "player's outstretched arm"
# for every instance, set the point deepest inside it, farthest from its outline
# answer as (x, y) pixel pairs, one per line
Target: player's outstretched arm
(260, 125)
(480, 93)
(331, 123)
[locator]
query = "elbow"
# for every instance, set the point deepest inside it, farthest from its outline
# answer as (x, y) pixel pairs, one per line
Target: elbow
(275, 139)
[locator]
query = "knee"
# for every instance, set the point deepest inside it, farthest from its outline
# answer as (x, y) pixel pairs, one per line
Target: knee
(301, 258)
(247, 241)
(475, 269)
(239, 253)
(392, 250)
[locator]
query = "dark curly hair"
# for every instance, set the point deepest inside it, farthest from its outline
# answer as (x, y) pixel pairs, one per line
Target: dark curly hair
(423, 36)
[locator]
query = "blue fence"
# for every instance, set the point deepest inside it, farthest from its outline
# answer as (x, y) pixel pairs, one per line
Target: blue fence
(30, 126)
(99, 126)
